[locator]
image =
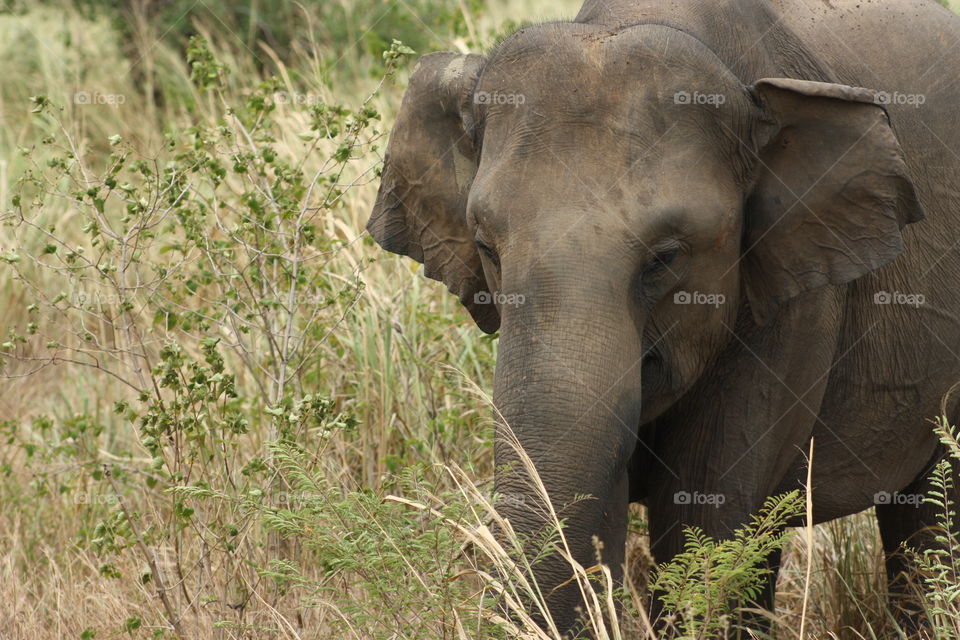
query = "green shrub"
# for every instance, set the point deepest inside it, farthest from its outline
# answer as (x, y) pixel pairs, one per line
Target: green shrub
(201, 282)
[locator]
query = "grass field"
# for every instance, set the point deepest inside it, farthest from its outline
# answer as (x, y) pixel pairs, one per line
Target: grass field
(213, 380)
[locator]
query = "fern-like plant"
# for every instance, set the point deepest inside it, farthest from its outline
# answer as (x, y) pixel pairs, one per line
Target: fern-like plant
(703, 588)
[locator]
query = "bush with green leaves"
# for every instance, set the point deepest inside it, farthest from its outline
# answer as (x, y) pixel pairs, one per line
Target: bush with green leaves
(937, 584)
(704, 586)
(200, 283)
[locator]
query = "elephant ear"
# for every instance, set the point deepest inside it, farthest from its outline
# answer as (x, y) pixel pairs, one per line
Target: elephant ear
(430, 163)
(831, 196)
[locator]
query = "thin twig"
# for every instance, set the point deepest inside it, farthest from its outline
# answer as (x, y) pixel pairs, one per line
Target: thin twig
(172, 617)
(808, 531)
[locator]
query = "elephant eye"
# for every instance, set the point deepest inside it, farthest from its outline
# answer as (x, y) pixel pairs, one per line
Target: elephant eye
(660, 262)
(489, 253)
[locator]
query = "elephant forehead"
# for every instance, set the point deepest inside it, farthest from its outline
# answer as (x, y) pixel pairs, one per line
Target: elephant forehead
(590, 69)
(625, 108)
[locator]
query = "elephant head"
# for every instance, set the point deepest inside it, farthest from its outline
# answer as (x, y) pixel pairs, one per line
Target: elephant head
(610, 200)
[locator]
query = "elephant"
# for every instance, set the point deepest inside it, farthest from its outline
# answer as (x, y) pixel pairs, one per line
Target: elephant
(708, 233)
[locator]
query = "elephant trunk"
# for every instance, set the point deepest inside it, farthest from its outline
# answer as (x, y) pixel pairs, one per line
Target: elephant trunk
(567, 387)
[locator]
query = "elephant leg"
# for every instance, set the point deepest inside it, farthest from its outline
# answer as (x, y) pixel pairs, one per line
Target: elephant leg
(766, 601)
(754, 622)
(906, 521)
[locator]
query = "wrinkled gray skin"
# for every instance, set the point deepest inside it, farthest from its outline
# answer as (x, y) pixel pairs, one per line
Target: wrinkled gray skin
(602, 196)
